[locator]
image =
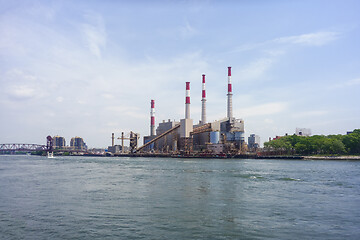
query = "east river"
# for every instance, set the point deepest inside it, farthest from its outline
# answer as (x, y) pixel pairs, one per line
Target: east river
(174, 198)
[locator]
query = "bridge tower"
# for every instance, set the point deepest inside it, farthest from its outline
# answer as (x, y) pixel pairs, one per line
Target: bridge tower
(49, 143)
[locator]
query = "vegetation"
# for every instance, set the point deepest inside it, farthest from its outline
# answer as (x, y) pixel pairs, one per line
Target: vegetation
(318, 144)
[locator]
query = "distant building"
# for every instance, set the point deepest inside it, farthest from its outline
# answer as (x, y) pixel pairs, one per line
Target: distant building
(148, 139)
(59, 142)
(253, 141)
(350, 132)
(303, 132)
(115, 149)
(216, 148)
(168, 143)
(77, 143)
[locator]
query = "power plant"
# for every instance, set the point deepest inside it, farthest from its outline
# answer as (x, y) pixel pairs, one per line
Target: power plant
(219, 138)
(224, 136)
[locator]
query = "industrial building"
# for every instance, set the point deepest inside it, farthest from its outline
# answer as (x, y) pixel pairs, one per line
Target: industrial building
(222, 136)
(114, 149)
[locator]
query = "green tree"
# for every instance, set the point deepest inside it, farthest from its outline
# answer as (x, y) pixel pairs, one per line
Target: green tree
(317, 144)
(352, 142)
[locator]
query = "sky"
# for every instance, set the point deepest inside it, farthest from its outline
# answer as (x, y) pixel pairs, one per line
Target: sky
(90, 68)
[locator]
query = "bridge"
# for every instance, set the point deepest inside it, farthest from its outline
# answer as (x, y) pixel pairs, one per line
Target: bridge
(21, 147)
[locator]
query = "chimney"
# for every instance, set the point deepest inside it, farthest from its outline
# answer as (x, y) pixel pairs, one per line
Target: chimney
(112, 139)
(152, 118)
(229, 103)
(203, 100)
(187, 101)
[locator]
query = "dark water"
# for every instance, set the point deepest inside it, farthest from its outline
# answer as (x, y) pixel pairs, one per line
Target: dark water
(159, 198)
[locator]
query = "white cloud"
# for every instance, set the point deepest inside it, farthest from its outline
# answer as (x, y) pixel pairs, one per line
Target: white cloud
(249, 47)
(187, 30)
(95, 33)
(272, 46)
(81, 102)
(352, 82)
(268, 120)
(256, 69)
(349, 83)
(306, 114)
(310, 39)
(21, 92)
(264, 109)
(127, 111)
(108, 96)
(19, 85)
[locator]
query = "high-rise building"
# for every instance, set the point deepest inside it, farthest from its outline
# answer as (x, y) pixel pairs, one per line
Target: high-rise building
(59, 142)
(77, 143)
(253, 141)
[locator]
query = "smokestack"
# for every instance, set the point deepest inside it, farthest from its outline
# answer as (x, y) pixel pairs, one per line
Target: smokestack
(203, 100)
(152, 118)
(187, 101)
(112, 139)
(229, 103)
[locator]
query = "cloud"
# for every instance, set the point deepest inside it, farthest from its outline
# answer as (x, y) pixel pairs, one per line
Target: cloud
(21, 92)
(273, 49)
(19, 85)
(349, 83)
(59, 99)
(95, 33)
(107, 96)
(310, 39)
(314, 113)
(187, 30)
(127, 111)
(256, 69)
(250, 46)
(264, 109)
(268, 120)
(353, 82)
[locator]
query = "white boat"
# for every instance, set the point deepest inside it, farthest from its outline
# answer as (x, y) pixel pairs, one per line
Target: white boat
(50, 154)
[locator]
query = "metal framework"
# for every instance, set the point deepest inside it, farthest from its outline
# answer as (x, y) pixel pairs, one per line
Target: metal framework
(158, 137)
(201, 129)
(21, 147)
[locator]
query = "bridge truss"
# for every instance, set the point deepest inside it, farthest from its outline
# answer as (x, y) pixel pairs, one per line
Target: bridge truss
(14, 147)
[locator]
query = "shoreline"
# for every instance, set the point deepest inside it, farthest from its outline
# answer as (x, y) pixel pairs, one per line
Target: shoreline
(221, 156)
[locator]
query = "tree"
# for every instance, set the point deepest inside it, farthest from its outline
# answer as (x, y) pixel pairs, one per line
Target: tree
(352, 142)
(318, 144)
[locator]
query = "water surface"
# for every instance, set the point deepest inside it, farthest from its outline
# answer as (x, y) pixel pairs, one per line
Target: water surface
(165, 198)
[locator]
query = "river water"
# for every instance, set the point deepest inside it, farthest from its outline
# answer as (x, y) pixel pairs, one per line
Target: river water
(165, 198)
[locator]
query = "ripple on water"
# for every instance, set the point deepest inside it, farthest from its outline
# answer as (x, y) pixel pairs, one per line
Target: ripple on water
(289, 179)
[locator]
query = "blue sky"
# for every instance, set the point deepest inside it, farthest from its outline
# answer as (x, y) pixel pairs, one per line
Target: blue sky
(90, 68)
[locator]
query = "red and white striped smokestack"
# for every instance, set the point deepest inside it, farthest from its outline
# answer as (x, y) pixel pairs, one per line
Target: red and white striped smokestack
(203, 100)
(152, 118)
(187, 101)
(229, 103)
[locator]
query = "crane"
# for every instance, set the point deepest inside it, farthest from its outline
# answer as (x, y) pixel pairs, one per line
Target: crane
(133, 137)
